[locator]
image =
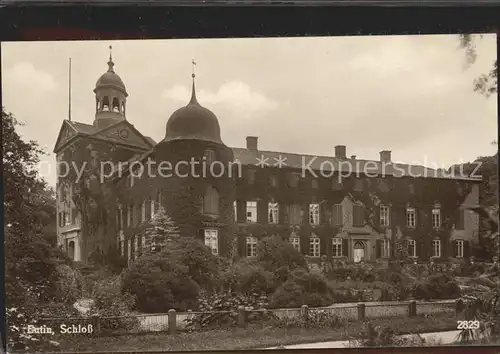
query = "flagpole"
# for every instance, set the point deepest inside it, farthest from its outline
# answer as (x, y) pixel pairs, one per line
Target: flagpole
(69, 91)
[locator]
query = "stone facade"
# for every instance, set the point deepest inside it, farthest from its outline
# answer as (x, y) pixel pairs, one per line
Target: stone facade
(329, 206)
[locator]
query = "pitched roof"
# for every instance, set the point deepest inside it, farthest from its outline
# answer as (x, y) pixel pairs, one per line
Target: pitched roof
(327, 164)
(83, 128)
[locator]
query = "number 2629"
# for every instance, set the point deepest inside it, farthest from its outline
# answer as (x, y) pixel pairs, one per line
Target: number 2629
(467, 324)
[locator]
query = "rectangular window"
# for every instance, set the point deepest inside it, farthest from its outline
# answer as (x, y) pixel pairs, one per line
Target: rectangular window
(386, 251)
(159, 198)
(129, 250)
(337, 215)
(337, 183)
(358, 218)
(251, 176)
(293, 180)
(436, 218)
(143, 211)
(274, 181)
(212, 240)
(337, 247)
(251, 211)
(412, 248)
(235, 210)
(436, 248)
(314, 214)
(294, 214)
(152, 209)
(460, 220)
(209, 156)
(74, 216)
(384, 215)
(118, 219)
(251, 246)
(460, 249)
(273, 212)
(314, 184)
(358, 184)
(295, 241)
(411, 217)
(314, 246)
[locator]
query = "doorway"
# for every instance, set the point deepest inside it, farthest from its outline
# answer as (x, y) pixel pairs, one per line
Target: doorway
(359, 251)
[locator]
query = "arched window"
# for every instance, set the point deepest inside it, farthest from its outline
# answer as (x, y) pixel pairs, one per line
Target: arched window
(211, 201)
(71, 250)
(116, 105)
(105, 103)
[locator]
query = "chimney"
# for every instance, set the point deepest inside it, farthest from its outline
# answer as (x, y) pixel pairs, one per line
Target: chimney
(340, 151)
(385, 156)
(353, 157)
(252, 142)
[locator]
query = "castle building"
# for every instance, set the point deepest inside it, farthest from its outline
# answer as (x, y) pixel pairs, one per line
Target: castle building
(325, 206)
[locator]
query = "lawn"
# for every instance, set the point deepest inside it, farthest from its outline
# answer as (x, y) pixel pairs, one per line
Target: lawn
(250, 338)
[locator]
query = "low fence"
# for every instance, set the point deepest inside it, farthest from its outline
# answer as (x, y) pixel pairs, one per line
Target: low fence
(174, 321)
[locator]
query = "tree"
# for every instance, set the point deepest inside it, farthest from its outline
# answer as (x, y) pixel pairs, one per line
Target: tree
(160, 284)
(486, 84)
(162, 230)
(275, 253)
(31, 262)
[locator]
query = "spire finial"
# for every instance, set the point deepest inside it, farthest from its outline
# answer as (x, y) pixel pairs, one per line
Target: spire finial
(110, 62)
(193, 92)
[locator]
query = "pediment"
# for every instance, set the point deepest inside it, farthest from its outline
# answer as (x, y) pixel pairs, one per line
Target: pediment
(66, 133)
(124, 133)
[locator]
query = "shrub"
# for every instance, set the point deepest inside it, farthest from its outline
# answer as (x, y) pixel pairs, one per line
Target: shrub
(220, 310)
(109, 301)
(376, 336)
(202, 266)
(274, 253)
(159, 284)
(302, 288)
(248, 277)
(438, 286)
(315, 319)
(69, 284)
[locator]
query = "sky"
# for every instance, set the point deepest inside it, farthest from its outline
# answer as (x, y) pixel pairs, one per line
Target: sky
(412, 95)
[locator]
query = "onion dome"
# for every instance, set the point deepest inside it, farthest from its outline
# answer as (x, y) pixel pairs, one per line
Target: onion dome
(194, 122)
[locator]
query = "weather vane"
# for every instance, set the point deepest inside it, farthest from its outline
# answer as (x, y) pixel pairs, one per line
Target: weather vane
(110, 53)
(193, 63)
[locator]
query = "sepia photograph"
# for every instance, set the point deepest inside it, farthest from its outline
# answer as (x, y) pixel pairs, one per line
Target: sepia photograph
(251, 193)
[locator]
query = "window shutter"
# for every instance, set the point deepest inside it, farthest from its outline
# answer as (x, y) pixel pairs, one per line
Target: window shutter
(454, 248)
(201, 234)
(148, 209)
(466, 249)
(378, 249)
(345, 247)
(420, 250)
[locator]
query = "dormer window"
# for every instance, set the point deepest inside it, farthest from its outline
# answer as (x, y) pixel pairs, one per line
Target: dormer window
(209, 156)
(211, 201)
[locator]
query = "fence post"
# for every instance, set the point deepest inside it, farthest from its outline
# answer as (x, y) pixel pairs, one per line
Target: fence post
(241, 316)
(412, 308)
(304, 311)
(361, 312)
(172, 321)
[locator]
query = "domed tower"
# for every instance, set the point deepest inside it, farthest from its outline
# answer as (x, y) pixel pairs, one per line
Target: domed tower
(198, 190)
(110, 96)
